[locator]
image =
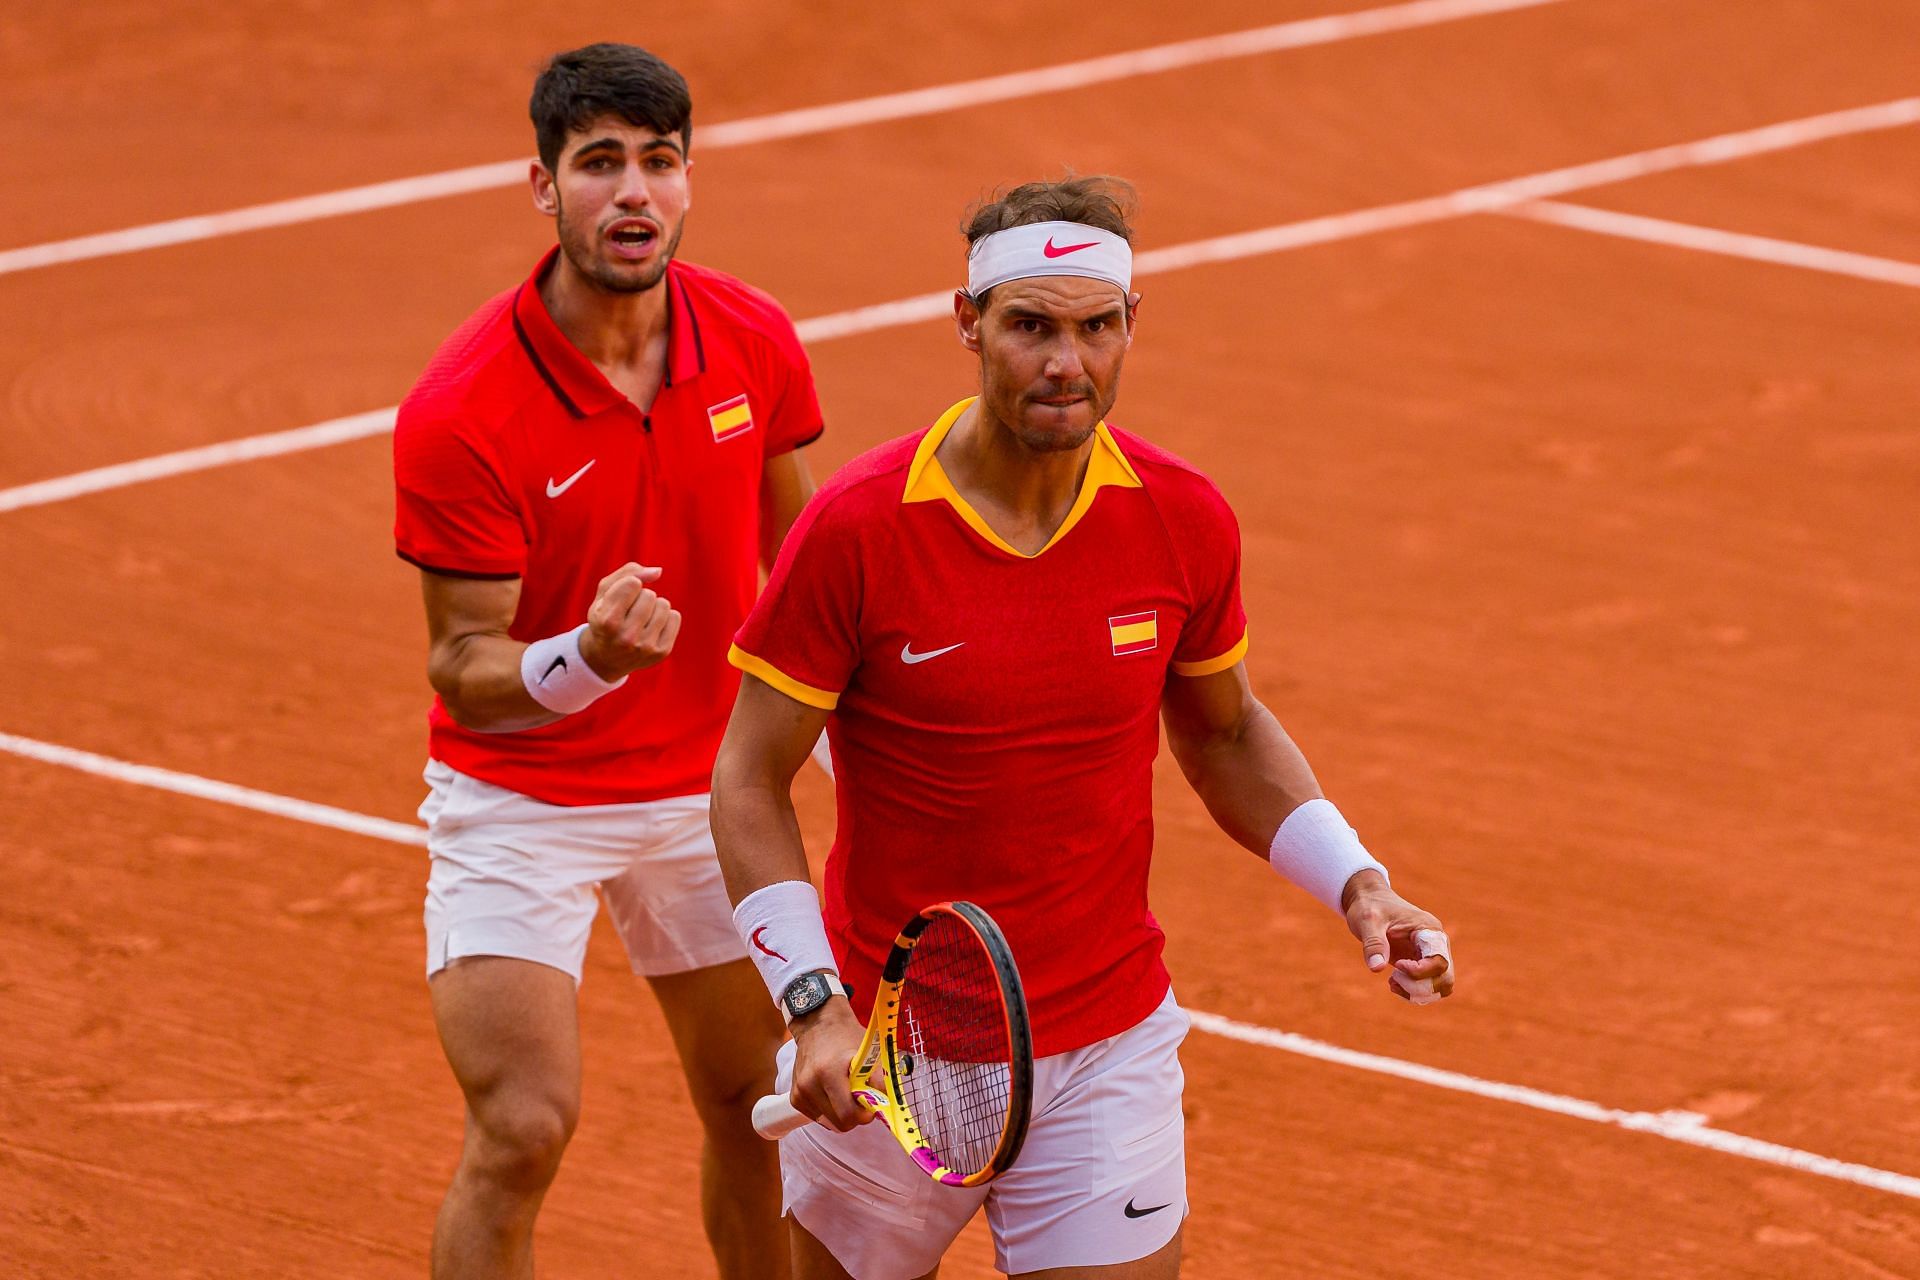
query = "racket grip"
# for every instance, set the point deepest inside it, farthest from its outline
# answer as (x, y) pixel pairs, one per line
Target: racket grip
(775, 1116)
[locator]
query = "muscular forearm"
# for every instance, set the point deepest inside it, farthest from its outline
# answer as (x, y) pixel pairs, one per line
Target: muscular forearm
(1250, 778)
(478, 678)
(755, 831)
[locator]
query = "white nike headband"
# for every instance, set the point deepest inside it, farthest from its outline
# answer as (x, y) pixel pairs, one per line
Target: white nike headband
(1049, 249)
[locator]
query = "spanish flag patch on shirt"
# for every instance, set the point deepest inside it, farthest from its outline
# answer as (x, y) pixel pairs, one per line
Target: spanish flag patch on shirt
(1134, 632)
(730, 418)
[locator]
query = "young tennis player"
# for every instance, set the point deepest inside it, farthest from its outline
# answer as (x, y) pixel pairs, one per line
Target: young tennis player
(619, 404)
(992, 616)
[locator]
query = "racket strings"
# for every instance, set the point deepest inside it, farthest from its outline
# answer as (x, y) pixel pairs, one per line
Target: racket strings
(956, 1075)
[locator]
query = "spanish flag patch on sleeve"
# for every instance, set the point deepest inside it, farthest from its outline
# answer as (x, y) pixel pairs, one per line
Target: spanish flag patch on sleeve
(1134, 632)
(730, 418)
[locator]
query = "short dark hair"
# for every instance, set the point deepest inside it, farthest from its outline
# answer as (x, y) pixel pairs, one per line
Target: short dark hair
(580, 85)
(1098, 200)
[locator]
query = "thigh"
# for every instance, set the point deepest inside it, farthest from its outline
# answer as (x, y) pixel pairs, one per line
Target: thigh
(1161, 1265)
(863, 1201)
(669, 904)
(726, 1031)
(511, 1032)
(1101, 1181)
(504, 878)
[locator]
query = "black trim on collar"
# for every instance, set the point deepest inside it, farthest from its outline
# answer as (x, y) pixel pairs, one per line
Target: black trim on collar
(520, 331)
(693, 319)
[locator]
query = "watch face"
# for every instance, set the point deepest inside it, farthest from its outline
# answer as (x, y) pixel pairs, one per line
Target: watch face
(806, 994)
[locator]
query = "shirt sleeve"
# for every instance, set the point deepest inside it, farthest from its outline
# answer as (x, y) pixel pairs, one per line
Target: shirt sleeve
(452, 513)
(803, 634)
(795, 419)
(1215, 635)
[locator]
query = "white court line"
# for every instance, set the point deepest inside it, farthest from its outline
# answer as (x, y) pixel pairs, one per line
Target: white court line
(934, 100)
(1514, 195)
(1733, 244)
(298, 440)
(187, 784)
(1676, 1126)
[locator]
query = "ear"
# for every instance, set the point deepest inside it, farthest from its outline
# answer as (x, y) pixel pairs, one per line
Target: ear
(1133, 316)
(546, 198)
(966, 319)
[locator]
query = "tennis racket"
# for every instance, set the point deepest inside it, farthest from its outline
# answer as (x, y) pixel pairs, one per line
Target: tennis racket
(947, 1060)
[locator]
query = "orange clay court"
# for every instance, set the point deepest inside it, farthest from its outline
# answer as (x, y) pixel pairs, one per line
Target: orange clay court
(1582, 559)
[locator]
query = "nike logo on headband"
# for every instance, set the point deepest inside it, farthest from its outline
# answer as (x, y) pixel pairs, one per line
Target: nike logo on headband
(1060, 251)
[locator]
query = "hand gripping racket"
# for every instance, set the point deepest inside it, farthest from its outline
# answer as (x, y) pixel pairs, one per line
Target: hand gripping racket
(947, 1060)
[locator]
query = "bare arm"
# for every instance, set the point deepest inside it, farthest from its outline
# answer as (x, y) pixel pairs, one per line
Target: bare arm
(1235, 755)
(754, 825)
(758, 838)
(1251, 776)
(474, 665)
(785, 485)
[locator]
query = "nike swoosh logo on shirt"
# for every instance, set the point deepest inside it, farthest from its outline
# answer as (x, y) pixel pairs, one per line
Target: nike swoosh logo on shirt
(555, 490)
(1060, 251)
(908, 656)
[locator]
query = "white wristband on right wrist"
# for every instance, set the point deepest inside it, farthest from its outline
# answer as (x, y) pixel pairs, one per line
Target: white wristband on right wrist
(1317, 850)
(557, 675)
(784, 933)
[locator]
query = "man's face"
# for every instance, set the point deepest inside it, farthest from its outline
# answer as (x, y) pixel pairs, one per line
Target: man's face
(1050, 354)
(618, 196)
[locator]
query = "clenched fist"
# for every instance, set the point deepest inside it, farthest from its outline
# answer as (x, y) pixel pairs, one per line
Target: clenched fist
(629, 625)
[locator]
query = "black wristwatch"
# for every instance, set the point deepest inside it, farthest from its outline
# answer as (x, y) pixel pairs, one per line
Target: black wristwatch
(808, 992)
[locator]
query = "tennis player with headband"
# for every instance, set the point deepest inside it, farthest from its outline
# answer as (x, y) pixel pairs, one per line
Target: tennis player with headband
(990, 616)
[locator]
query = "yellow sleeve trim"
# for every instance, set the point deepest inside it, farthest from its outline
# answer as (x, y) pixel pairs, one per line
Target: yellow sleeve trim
(785, 683)
(1209, 666)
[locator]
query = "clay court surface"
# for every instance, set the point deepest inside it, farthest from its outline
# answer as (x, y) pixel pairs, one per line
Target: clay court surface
(1586, 569)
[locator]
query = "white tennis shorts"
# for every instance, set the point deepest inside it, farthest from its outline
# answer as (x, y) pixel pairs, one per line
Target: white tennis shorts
(1101, 1180)
(512, 876)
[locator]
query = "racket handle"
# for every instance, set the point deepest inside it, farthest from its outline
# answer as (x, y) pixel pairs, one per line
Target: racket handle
(775, 1116)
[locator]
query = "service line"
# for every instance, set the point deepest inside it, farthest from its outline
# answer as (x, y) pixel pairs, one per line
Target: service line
(803, 121)
(1521, 197)
(1675, 1126)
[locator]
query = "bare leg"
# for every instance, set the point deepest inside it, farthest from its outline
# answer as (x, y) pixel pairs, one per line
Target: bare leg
(1164, 1264)
(727, 1032)
(511, 1033)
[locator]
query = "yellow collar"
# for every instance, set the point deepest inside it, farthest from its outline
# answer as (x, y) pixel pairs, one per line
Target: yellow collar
(927, 480)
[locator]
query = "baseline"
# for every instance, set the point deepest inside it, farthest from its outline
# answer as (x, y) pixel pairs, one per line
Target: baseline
(1513, 195)
(934, 100)
(1732, 244)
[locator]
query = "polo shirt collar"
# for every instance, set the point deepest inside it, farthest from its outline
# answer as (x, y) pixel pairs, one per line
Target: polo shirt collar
(576, 380)
(927, 480)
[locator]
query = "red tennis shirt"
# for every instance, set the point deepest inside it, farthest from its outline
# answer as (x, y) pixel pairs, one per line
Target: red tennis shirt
(514, 457)
(996, 714)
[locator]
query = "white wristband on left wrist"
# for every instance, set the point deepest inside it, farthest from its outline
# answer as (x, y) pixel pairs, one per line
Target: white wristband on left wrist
(557, 676)
(1317, 850)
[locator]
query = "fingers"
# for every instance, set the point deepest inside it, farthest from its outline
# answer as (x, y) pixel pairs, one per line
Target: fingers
(827, 1097)
(1370, 927)
(631, 626)
(1427, 975)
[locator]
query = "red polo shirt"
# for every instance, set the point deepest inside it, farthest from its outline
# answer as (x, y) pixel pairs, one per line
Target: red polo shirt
(514, 457)
(996, 715)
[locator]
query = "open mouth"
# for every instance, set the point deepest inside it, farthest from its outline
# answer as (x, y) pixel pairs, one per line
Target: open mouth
(632, 237)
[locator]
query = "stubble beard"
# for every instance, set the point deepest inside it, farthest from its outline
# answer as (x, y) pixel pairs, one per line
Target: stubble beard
(605, 275)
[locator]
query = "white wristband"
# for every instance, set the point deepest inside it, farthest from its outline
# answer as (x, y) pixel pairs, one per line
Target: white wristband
(1317, 850)
(784, 933)
(557, 675)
